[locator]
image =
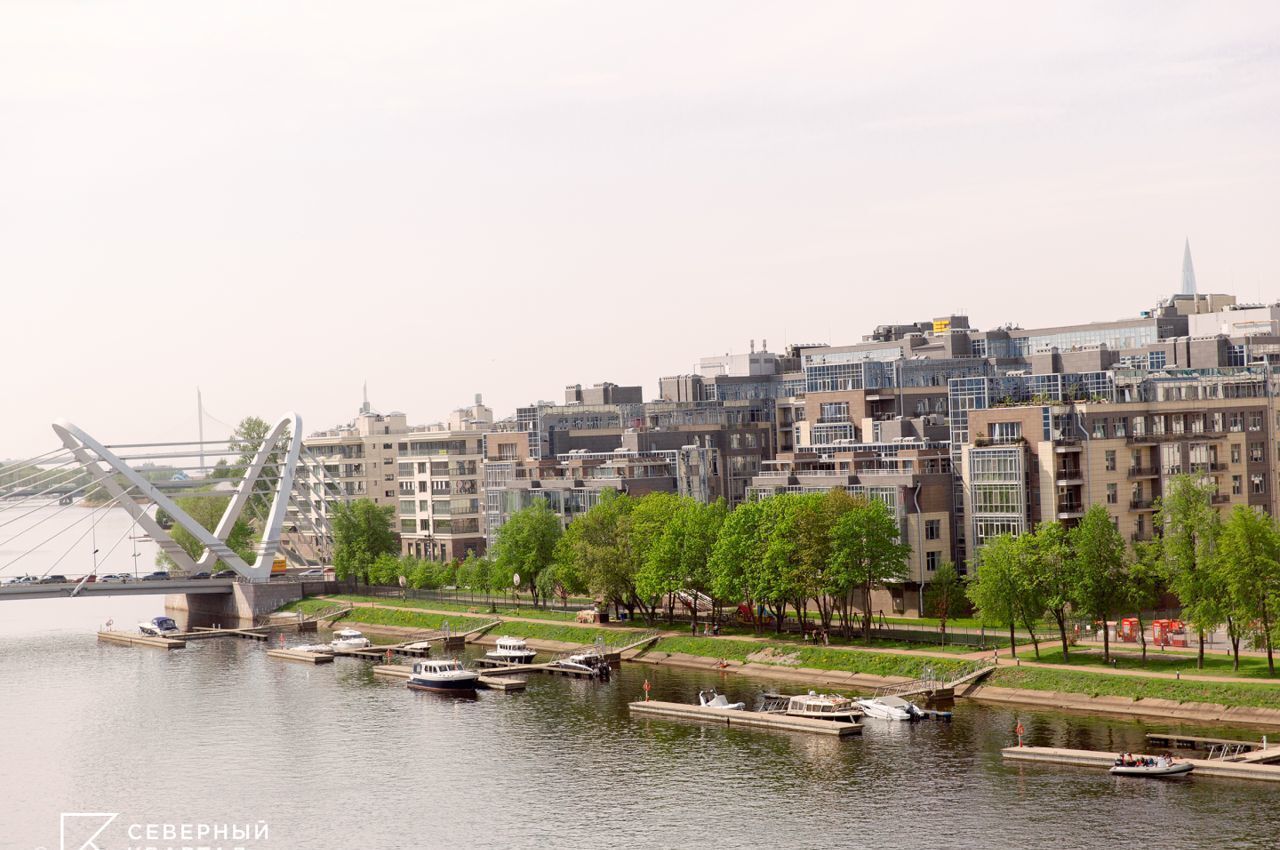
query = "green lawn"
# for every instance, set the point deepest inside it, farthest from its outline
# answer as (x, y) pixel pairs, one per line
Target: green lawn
(824, 658)
(475, 610)
(1135, 687)
(388, 616)
(1130, 658)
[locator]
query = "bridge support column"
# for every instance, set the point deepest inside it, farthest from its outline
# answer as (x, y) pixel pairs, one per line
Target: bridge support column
(242, 607)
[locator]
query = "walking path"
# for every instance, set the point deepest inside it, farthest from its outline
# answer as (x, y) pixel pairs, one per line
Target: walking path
(1004, 659)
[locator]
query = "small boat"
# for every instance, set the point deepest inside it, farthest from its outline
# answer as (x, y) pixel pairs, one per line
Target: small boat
(511, 650)
(445, 675)
(818, 706)
(710, 699)
(1157, 767)
(890, 708)
(158, 627)
(585, 662)
(349, 639)
(318, 648)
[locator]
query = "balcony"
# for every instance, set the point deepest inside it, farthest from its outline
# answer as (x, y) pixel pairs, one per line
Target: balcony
(1142, 504)
(1142, 439)
(1070, 510)
(1219, 499)
(1143, 472)
(1200, 468)
(1140, 536)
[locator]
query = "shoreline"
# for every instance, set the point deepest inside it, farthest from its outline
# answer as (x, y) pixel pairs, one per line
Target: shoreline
(1112, 706)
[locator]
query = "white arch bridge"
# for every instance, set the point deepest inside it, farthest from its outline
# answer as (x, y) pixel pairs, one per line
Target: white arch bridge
(50, 505)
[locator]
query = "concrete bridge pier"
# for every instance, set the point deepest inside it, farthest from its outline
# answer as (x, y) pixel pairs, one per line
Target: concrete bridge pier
(238, 609)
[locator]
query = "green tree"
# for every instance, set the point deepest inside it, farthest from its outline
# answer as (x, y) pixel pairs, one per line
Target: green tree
(1144, 584)
(738, 555)
(944, 597)
(1249, 551)
(867, 552)
(208, 510)
(1098, 569)
(1047, 575)
(362, 530)
(246, 440)
(994, 587)
(679, 558)
(1190, 526)
(526, 545)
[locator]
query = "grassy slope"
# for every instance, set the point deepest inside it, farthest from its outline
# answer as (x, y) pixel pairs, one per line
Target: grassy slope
(1129, 658)
(1134, 687)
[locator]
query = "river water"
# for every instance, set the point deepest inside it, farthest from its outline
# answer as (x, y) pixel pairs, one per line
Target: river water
(330, 757)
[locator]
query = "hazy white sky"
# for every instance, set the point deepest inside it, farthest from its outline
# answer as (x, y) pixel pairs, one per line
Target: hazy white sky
(278, 201)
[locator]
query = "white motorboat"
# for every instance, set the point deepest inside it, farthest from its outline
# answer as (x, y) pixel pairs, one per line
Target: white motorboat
(585, 662)
(823, 707)
(890, 708)
(318, 648)
(511, 650)
(710, 699)
(158, 627)
(349, 639)
(445, 675)
(1155, 767)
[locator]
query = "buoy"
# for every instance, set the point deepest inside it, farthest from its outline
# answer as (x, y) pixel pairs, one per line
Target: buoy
(647, 687)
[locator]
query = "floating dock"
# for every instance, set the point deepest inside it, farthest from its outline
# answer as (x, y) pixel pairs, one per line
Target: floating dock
(752, 719)
(492, 683)
(550, 668)
(301, 655)
(134, 639)
(1104, 761)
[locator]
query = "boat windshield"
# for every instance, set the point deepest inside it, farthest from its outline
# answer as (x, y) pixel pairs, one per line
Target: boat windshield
(164, 623)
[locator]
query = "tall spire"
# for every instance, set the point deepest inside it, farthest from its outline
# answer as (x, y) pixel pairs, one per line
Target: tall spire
(1188, 271)
(364, 408)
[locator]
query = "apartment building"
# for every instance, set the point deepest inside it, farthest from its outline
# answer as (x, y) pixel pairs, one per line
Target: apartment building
(912, 478)
(1035, 456)
(440, 474)
(352, 461)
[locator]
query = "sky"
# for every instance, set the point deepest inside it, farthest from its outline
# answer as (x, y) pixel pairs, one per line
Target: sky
(277, 202)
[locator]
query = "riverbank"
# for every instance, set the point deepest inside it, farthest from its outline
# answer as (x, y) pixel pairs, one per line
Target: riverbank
(1111, 693)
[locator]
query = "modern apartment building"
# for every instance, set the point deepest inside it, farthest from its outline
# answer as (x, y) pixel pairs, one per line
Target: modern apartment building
(341, 464)
(439, 473)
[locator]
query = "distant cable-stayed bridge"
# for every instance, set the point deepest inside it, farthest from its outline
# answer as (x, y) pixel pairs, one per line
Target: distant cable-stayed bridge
(51, 502)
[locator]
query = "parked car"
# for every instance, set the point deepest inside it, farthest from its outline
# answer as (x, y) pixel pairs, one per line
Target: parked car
(18, 580)
(202, 574)
(53, 579)
(115, 578)
(158, 575)
(314, 572)
(224, 574)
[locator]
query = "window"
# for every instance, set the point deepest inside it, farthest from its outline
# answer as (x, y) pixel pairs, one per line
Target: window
(1235, 452)
(1099, 428)
(1112, 494)
(932, 529)
(1110, 457)
(1255, 452)
(1255, 421)
(1257, 484)
(932, 560)
(1235, 421)
(1237, 485)
(1006, 432)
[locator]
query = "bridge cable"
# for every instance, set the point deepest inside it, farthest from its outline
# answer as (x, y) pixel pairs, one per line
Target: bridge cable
(55, 534)
(43, 505)
(31, 461)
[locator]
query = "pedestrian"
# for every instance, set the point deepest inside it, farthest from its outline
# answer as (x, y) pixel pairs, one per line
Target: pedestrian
(995, 655)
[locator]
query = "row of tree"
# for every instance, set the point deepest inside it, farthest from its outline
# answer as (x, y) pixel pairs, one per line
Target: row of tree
(1224, 572)
(821, 552)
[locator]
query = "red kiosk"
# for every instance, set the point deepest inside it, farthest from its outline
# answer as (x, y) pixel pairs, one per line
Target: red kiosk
(1169, 633)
